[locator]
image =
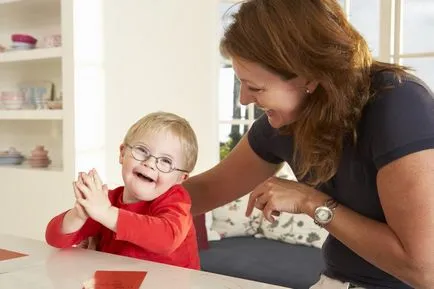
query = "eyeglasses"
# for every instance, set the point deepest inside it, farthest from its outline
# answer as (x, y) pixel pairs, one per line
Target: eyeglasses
(163, 164)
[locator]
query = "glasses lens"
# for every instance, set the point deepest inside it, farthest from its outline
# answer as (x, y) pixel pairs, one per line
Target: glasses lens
(140, 153)
(164, 164)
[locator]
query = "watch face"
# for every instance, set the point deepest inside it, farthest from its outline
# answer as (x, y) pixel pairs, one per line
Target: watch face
(323, 214)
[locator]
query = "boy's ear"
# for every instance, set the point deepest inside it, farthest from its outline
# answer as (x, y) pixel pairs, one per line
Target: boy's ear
(184, 177)
(121, 153)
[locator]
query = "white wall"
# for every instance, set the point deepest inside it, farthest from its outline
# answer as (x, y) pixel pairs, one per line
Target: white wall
(140, 56)
(161, 55)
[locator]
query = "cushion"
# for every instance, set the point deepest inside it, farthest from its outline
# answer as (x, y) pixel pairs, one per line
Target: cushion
(294, 229)
(265, 261)
(212, 235)
(230, 220)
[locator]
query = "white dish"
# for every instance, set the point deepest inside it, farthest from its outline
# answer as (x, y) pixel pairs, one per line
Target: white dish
(11, 160)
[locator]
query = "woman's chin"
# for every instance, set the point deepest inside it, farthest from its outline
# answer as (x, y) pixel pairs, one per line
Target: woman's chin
(278, 122)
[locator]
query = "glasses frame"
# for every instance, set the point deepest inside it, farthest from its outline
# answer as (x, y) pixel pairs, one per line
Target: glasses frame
(172, 167)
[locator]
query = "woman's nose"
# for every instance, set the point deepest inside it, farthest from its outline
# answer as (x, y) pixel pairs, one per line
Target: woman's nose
(245, 97)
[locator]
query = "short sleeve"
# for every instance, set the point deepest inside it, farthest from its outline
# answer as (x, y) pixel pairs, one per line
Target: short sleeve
(401, 122)
(260, 138)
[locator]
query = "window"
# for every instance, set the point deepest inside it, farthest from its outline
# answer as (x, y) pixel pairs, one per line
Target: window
(234, 118)
(397, 31)
(369, 27)
(414, 47)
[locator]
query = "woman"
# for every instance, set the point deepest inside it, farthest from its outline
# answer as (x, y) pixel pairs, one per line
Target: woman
(358, 133)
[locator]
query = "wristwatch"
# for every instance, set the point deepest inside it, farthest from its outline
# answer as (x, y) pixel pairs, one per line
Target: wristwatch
(324, 214)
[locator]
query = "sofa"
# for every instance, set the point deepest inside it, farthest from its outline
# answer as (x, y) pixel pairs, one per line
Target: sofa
(260, 259)
(286, 252)
(264, 260)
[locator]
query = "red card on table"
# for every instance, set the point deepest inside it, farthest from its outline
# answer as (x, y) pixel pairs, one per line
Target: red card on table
(6, 255)
(118, 279)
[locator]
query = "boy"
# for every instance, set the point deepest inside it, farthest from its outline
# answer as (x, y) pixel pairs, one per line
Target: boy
(149, 217)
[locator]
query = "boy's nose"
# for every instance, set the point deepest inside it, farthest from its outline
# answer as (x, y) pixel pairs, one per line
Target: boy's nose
(150, 162)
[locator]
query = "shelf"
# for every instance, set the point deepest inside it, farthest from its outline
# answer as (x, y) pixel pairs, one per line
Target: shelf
(24, 2)
(45, 114)
(29, 55)
(8, 1)
(27, 168)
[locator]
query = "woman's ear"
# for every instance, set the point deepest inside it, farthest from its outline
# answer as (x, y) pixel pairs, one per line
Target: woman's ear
(311, 85)
(121, 153)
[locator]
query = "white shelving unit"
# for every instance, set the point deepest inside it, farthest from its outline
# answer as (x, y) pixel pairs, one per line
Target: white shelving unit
(40, 192)
(39, 18)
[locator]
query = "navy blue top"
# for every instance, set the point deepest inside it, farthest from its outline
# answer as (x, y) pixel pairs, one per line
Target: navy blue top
(397, 122)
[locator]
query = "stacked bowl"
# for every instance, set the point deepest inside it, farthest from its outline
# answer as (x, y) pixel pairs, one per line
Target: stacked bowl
(23, 41)
(11, 157)
(12, 99)
(39, 157)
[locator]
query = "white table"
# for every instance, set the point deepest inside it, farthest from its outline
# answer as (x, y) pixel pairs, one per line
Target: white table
(37, 252)
(49, 268)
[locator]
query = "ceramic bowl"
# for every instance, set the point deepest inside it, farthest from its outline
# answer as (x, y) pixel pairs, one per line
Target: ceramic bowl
(11, 160)
(55, 104)
(24, 38)
(22, 46)
(12, 99)
(39, 163)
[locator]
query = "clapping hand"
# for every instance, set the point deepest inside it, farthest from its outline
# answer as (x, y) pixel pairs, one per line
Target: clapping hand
(80, 211)
(93, 195)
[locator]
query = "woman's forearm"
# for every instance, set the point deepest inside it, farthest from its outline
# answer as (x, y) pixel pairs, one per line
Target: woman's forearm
(205, 195)
(376, 243)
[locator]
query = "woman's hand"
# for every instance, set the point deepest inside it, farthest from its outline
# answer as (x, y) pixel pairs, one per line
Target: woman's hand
(277, 195)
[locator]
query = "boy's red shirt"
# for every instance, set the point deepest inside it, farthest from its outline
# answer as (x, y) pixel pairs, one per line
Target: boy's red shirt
(161, 230)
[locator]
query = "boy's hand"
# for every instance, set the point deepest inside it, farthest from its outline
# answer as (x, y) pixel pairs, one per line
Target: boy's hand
(79, 209)
(76, 217)
(94, 197)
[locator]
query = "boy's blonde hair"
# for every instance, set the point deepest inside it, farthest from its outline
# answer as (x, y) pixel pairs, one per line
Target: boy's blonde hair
(165, 121)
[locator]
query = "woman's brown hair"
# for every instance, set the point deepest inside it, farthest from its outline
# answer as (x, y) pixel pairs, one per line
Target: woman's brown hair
(313, 39)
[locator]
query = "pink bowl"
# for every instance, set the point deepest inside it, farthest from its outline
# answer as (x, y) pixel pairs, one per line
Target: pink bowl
(23, 38)
(12, 99)
(12, 96)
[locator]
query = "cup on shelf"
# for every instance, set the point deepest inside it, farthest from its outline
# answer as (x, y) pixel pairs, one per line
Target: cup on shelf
(12, 99)
(55, 104)
(54, 40)
(40, 102)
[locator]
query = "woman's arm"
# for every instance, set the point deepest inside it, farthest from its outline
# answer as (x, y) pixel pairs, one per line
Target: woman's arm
(404, 246)
(232, 178)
